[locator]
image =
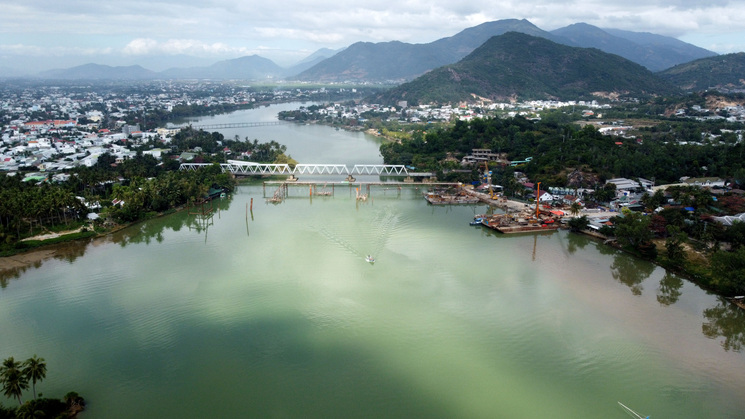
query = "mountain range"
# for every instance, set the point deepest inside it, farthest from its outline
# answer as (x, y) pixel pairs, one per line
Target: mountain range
(518, 66)
(655, 52)
(396, 62)
(719, 72)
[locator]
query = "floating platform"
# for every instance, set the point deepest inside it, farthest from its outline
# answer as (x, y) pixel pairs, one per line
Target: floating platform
(510, 224)
(444, 199)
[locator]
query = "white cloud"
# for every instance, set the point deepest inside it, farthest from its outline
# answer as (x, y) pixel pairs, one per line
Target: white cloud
(231, 28)
(146, 46)
(39, 51)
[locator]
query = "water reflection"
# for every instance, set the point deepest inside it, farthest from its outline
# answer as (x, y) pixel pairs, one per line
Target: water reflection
(607, 250)
(201, 218)
(630, 271)
(575, 242)
(728, 321)
(669, 290)
(14, 266)
(196, 219)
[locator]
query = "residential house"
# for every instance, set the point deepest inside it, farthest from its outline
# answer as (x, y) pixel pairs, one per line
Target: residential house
(546, 197)
(705, 182)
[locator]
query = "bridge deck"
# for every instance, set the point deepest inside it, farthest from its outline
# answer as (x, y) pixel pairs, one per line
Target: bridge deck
(250, 168)
(231, 125)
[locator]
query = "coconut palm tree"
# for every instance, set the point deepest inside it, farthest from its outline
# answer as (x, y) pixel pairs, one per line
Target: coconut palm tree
(13, 379)
(29, 411)
(575, 208)
(35, 369)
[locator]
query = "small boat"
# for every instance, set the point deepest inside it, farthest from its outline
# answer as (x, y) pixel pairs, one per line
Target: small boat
(631, 412)
(476, 222)
(369, 259)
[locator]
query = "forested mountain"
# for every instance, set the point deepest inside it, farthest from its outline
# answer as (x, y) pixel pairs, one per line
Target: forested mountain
(398, 61)
(723, 72)
(365, 61)
(655, 52)
(515, 65)
(375, 61)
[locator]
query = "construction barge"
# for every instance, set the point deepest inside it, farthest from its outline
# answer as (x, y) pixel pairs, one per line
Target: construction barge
(520, 223)
(525, 221)
(441, 197)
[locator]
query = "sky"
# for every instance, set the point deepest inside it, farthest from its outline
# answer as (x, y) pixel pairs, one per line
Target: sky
(57, 34)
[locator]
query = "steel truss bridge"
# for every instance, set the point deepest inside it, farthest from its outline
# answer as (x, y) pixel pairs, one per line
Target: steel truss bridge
(242, 168)
(233, 125)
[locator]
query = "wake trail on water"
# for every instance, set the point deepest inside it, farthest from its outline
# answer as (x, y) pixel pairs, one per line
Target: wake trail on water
(377, 231)
(383, 225)
(334, 238)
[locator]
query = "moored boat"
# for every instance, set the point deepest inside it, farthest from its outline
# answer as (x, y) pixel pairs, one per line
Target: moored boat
(476, 221)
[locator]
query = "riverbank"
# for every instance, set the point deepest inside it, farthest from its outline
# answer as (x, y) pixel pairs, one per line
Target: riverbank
(54, 235)
(64, 244)
(694, 268)
(57, 245)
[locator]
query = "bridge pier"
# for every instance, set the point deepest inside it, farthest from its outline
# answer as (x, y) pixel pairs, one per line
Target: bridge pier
(350, 179)
(292, 178)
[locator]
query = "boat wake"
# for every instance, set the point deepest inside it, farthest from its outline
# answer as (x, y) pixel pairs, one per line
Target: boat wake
(376, 232)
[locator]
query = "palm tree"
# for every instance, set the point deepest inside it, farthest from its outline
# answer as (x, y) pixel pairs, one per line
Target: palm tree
(575, 208)
(29, 411)
(13, 379)
(35, 369)
(7, 368)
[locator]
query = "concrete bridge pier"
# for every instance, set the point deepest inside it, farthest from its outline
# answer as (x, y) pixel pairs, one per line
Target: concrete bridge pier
(350, 178)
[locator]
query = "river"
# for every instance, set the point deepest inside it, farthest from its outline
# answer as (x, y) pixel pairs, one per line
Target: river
(274, 312)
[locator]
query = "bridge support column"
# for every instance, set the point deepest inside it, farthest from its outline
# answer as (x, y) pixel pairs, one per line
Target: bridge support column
(292, 178)
(408, 179)
(350, 178)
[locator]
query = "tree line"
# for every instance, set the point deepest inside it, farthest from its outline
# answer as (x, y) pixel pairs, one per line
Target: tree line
(568, 155)
(15, 377)
(126, 190)
(658, 154)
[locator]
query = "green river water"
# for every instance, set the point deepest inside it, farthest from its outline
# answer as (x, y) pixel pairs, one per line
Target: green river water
(274, 313)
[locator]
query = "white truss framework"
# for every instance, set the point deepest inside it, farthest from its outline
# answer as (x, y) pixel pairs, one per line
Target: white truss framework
(250, 168)
(321, 169)
(379, 169)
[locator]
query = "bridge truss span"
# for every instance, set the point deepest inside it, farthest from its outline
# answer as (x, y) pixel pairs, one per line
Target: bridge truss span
(248, 168)
(238, 167)
(321, 169)
(379, 169)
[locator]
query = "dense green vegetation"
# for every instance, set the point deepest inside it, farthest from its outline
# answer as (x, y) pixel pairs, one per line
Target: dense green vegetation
(567, 155)
(15, 377)
(157, 116)
(723, 72)
(560, 148)
(126, 191)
